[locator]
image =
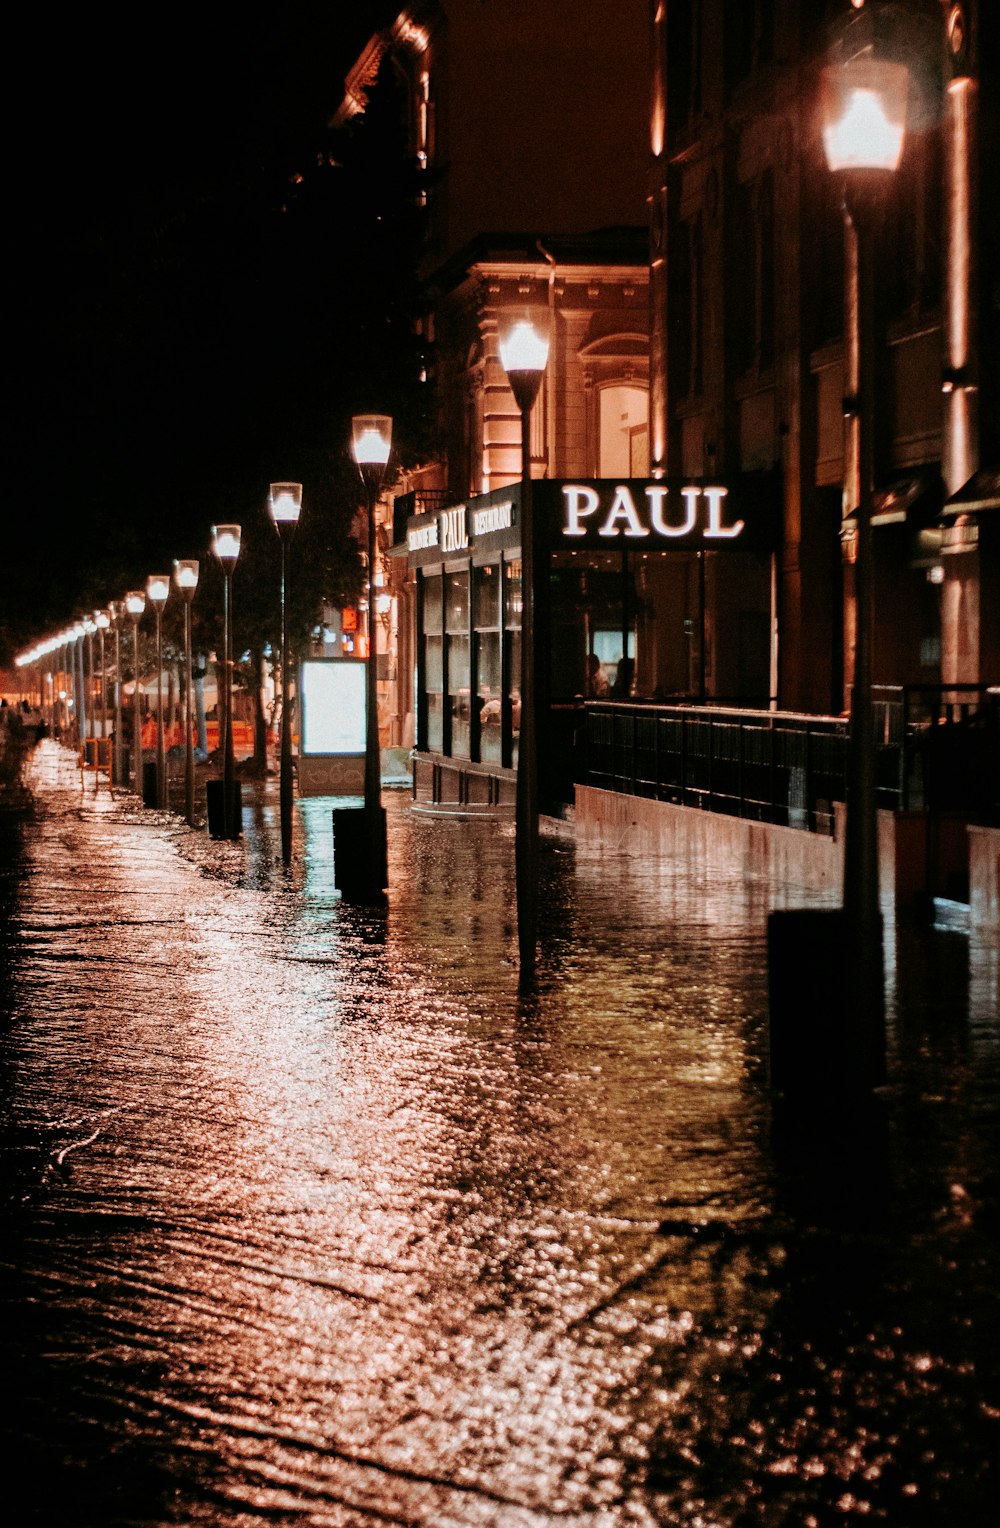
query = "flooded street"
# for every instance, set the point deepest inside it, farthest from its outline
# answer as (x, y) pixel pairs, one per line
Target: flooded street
(310, 1219)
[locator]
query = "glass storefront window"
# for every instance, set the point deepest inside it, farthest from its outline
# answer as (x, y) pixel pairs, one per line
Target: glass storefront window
(458, 695)
(456, 598)
(587, 618)
(489, 692)
(456, 621)
(432, 602)
(512, 629)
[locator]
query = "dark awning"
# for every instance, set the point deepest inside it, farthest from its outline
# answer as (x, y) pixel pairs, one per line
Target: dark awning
(982, 491)
(962, 512)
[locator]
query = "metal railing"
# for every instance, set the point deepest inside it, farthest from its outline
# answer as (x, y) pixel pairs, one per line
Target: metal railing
(772, 766)
(938, 747)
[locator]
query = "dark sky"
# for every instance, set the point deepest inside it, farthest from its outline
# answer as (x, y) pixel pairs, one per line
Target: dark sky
(156, 379)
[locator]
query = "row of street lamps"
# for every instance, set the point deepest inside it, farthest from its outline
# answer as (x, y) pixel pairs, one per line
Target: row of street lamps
(371, 446)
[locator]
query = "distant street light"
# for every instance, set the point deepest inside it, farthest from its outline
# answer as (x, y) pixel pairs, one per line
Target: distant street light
(186, 578)
(226, 546)
(285, 504)
(135, 604)
(524, 350)
(371, 444)
(158, 591)
(102, 621)
(864, 118)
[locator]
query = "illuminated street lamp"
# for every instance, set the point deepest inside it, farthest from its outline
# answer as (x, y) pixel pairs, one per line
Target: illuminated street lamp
(135, 604)
(158, 591)
(864, 119)
(226, 546)
(116, 611)
(285, 504)
(524, 351)
(371, 444)
(186, 579)
(102, 621)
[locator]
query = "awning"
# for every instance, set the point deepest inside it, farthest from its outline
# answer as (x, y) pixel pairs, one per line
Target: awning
(962, 513)
(914, 501)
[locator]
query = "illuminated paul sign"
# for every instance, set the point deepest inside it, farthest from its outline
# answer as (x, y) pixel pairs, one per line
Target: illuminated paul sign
(658, 513)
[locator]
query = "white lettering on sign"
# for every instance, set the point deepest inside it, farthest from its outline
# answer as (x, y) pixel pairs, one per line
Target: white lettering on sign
(715, 497)
(496, 517)
(454, 530)
(624, 518)
(422, 536)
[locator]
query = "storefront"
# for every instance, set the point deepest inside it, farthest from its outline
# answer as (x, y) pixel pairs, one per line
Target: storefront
(647, 589)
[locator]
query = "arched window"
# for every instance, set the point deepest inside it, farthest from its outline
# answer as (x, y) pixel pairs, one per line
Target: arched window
(623, 449)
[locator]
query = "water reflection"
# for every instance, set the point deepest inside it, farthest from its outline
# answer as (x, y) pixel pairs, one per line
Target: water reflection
(315, 1219)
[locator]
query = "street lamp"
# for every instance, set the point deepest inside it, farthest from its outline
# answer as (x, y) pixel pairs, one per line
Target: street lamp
(116, 611)
(371, 444)
(102, 621)
(135, 604)
(186, 579)
(285, 504)
(226, 546)
(524, 351)
(158, 590)
(864, 118)
(90, 727)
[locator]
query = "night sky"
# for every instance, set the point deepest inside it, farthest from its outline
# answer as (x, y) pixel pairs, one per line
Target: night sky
(165, 366)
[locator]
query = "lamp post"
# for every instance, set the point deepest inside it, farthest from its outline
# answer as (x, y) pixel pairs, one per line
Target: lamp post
(285, 504)
(371, 444)
(102, 621)
(116, 610)
(135, 604)
(186, 579)
(864, 118)
(226, 546)
(90, 727)
(157, 591)
(76, 636)
(524, 351)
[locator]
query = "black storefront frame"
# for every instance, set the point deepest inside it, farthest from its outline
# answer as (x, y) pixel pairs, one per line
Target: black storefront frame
(643, 515)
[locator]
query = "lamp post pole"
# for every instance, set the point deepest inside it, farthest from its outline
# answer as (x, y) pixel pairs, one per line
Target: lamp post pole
(864, 118)
(158, 589)
(524, 353)
(226, 545)
(102, 621)
(90, 729)
(371, 443)
(186, 579)
(135, 604)
(117, 611)
(285, 504)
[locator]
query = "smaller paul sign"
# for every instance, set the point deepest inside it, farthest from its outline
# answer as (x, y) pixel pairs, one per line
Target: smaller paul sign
(655, 514)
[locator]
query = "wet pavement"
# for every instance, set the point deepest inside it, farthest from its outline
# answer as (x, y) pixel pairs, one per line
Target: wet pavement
(311, 1219)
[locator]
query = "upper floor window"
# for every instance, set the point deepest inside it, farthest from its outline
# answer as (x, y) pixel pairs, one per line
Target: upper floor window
(624, 432)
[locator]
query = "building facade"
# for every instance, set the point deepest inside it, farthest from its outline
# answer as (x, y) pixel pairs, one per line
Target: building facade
(705, 336)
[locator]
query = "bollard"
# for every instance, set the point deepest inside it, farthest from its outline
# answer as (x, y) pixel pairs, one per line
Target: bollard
(354, 875)
(823, 1045)
(225, 817)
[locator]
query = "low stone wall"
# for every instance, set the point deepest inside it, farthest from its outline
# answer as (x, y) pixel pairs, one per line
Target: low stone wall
(797, 863)
(809, 866)
(984, 877)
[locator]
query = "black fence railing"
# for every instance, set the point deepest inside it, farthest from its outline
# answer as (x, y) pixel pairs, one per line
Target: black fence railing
(936, 748)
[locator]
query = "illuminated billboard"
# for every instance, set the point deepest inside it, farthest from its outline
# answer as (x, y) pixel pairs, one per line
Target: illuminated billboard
(333, 707)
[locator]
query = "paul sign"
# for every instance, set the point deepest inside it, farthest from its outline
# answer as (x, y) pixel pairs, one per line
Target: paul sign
(658, 513)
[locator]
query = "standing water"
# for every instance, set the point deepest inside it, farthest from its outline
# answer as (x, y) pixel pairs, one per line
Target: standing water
(311, 1219)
